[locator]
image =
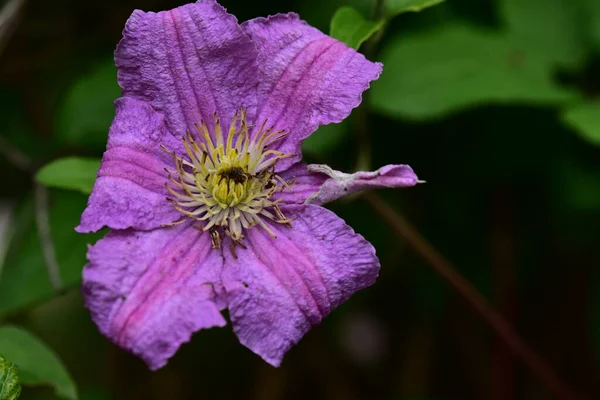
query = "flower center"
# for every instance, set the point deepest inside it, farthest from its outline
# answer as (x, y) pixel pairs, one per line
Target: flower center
(228, 184)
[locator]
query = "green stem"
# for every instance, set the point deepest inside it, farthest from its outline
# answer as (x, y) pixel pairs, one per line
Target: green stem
(369, 49)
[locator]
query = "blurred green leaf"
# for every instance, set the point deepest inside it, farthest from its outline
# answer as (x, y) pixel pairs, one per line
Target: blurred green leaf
(10, 387)
(72, 173)
(591, 11)
(549, 29)
(87, 111)
(395, 7)
(325, 139)
(350, 27)
(319, 13)
(439, 72)
(38, 365)
(585, 119)
(24, 277)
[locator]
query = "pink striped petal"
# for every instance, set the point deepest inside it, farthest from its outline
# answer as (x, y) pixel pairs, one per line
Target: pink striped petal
(278, 289)
(306, 78)
(130, 187)
(149, 291)
(188, 63)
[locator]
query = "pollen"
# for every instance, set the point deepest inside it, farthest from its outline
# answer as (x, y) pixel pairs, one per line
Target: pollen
(226, 182)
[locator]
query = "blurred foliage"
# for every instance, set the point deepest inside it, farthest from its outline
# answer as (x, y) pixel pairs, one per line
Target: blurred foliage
(73, 173)
(350, 27)
(395, 7)
(38, 365)
(83, 120)
(585, 119)
(327, 138)
(24, 279)
(488, 101)
(459, 66)
(556, 35)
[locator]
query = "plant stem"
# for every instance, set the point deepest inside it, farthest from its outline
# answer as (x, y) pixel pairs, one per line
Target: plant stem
(378, 10)
(43, 224)
(15, 157)
(8, 20)
(363, 162)
(24, 163)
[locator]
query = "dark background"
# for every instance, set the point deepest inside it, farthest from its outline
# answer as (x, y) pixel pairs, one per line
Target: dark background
(512, 199)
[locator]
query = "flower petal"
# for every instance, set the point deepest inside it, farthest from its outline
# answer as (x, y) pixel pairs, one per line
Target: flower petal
(340, 184)
(149, 291)
(303, 185)
(278, 289)
(319, 184)
(130, 187)
(306, 78)
(188, 63)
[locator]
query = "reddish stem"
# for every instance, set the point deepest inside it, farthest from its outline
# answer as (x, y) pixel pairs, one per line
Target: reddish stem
(460, 285)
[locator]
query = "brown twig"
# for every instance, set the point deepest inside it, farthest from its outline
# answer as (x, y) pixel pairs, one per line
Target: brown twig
(15, 156)
(8, 18)
(468, 292)
(43, 224)
(503, 261)
(24, 163)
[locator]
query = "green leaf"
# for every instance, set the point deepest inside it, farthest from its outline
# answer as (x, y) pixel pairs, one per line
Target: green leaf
(87, 111)
(549, 29)
(319, 13)
(10, 387)
(24, 278)
(395, 7)
(72, 173)
(38, 365)
(349, 26)
(324, 141)
(591, 12)
(585, 119)
(435, 73)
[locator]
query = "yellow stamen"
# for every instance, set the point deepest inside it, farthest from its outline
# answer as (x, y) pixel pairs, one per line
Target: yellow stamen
(227, 183)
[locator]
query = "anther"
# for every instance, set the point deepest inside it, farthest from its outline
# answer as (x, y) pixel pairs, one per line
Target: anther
(228, 182)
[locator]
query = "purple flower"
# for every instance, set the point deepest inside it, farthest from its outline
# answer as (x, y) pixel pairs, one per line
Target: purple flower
(201, 184)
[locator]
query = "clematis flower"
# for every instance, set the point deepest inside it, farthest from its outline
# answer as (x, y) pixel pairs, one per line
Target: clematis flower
(202, 186)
